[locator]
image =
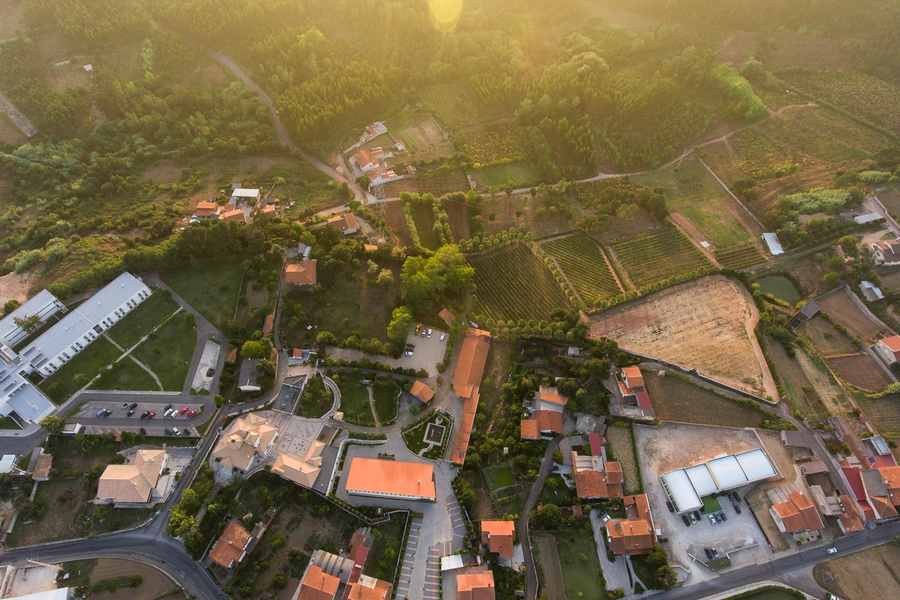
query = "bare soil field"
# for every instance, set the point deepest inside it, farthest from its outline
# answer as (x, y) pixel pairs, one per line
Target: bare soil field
(12, 14)
(873, 573)
(548, 556)
(890, 280)
(689, 325)
(840, 308)
(672, 446)
(619, 439)
(154, 585)
(675, 399)
(392, 212)
(9, 133)
(15, 286)
(860, 370)
(827, 338)
(458, 213)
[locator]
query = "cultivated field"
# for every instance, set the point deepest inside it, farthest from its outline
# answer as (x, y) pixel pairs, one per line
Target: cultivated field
(868, 574)
(860, 370)
(548, 557)
(690, 325)
(797, 390)
(584, 265)
(875, 100)
(884, 414)
(827, 338)
(423, 137)
(506, 175)
(437, 183)
(656, 256)
(487, 145)
(675, 399)
(841, 308)
(741, 256)
(511, 283)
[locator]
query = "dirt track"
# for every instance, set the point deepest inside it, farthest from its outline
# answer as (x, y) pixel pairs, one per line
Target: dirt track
(707, 324)
(553, 585)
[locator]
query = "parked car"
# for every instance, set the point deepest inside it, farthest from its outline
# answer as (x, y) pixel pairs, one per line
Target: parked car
(130, 412)
(687, 520)
(186, 431)
(184, 410)
(832, 550)
(150, 414)
(669, 506)
(124, 405)
(132, 405)
(167, 407)
(210, 372)
(443, 336)
(145, 414)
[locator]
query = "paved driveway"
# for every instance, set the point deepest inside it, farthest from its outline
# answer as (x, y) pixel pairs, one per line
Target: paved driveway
(615, 573)
(427, 354)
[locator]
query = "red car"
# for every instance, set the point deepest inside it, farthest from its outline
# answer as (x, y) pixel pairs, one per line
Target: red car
(184, 410)
(151, 414)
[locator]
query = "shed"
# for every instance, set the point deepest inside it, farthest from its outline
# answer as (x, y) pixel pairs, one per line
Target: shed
(870, 291)
(773, 244)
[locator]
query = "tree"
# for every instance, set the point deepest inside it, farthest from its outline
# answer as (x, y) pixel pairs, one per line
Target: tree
(53, 424)
(385, 277)
(446, 273)
(401, 321)
(28, 323)
(10, 306)
(546, 516)
(254, 349)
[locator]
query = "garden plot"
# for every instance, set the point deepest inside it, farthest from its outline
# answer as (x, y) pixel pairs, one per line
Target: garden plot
(844, 310)
(511, 283)
(423, 137)
(869, 98)
(884, 414)
(676, 399)
(827, 338)
(584, 265)
(692, 325)
(860, 370)
(654, 257)
(742, 256)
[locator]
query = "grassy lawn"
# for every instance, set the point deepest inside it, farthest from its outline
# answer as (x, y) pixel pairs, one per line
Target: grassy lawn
(316, 399)
(168, 352)
(580, 566)
(76, 373)
(387, 549)
(145, 317)
(499, 476)
(126, 375)
(385, 391)
(622, 446)
(354, 399)
(414, 437)
(211, 288)
(509, 175)
(346, 302)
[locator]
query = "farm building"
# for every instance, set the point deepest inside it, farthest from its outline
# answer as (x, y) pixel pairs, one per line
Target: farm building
(391, 479)
(686, 487)
(870, 291)
(889, 349)
(239, 195)
(773, 244)
(206, 210)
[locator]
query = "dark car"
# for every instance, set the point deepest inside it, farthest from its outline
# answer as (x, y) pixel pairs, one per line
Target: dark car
(686, 520)
(669, 506)
(133, 405)
(167, 407)
(130, 412)
(210, 372)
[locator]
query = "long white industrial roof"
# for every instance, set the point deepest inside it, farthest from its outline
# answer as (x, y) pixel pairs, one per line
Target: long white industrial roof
(686, 487)
(43, 304)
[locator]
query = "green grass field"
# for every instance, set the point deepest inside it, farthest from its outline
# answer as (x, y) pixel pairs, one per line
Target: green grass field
(691, 191)
(511, 283)
(657, 256)
(126, 375)
(145, 317)
(316, 399)
(580, 566)
(780, 287)
(423, 215)
(508, 175)
(499, 476)
(386, 404)
(582, 262)
(76, 373)
(354, 399)
(210, 288)
(168, 352)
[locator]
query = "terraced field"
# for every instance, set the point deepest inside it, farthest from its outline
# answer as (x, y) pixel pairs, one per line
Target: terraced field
(657, 256)
(582, 262)
(740, 257)
(511, 283)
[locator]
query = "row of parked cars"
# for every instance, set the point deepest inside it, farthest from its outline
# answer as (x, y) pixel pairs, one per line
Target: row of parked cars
(169, 411)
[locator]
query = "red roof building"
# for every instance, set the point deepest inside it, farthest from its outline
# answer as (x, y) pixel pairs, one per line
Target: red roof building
(499, 537)
(795, 515)
(631, 386)
(301, 274)
(231, 547)
(541, 422)
(595, 479)
(634, 534)
(317, 585)
(475, 586)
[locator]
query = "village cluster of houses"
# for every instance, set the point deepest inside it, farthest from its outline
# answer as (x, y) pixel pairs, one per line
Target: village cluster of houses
(374, 162)
(242, 206)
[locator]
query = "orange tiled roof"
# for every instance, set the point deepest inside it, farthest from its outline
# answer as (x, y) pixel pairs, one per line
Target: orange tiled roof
(229, 548)
(391, 478)
(236, 214)
(317, 584)
(891, 477)
(591, 484)
(464, 433)
(633, 376)
(499, 536)
(892, 343)
(798, 513)
(475, 586)
(630, 536)
(447, 316)
(301, 273)
(422, 391)
(614, 472)
(369, 588)
(528, 429)
(551, 394)
(471, 361)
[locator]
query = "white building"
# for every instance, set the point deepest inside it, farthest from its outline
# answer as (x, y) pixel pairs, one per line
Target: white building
(773, 244)
(56, 346)
(886, 252)
(239, 195)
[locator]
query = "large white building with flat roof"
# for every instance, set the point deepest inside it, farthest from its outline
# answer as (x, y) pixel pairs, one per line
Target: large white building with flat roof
(59, 344)
(687, 487)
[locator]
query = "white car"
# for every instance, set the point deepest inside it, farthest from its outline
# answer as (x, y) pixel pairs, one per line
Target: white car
(832, 550)
(443, 336)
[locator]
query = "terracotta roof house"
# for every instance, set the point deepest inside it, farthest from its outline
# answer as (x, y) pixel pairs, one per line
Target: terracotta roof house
(421, 391)
(133, 483)
(446, 315)
(268, 209)
(499, 537)
(596, 442)
(346, 222)
(595, 479)
(549, 398)
(881, 498)
(301, 274)
(301, 470)
(391, 479)
(851, 520)
(248, 438)
(231, 547)
(317, 585)
(891, 478)
(235, 214)
(796, 515)
(631, 385)
(635, 534)
(466, 381)
(889, 349)
(475, 586)
(541, 423)
(369, 588)
(205, 209)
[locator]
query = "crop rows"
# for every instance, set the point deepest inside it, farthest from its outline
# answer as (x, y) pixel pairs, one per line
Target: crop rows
(511, 283)
(582, 262)
(657, 256)
(739, 257)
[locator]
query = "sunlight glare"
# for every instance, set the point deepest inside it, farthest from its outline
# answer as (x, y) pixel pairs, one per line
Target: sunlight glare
(445, 13)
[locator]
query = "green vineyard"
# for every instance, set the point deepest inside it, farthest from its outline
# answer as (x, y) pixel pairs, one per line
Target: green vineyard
(582, 262)
(740, 257)
(657, 256)
(511, 283)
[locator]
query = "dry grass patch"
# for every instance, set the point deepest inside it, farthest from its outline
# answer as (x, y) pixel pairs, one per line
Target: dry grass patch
(843, 310)
(691, 325)
(154, 584)
(873, 573)
(675, 399)
(827, 338)
(622, 445)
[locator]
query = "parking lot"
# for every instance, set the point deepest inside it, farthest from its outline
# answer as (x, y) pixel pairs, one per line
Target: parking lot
(423, 352)
(138, 410)
(656, 446)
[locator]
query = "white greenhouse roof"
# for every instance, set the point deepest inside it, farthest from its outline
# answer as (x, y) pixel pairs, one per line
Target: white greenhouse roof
(702, 481)
(245, 193)
(727, 472)
(680, 491)
(771, 240)
(756, 465)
